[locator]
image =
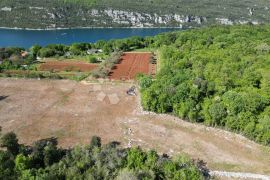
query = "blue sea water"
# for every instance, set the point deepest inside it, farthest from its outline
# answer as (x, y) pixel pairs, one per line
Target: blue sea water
(27, 38)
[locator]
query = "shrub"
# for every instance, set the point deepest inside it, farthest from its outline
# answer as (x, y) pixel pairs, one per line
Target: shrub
(92, 59)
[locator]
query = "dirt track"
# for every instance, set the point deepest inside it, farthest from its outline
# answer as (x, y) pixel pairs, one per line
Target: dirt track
(73, 112)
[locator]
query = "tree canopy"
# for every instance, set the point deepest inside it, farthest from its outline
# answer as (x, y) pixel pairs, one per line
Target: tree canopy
(44, 160)
(216, 75)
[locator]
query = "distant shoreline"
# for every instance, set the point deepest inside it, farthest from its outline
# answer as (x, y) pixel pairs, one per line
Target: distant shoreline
(55, 29)
(21, 37)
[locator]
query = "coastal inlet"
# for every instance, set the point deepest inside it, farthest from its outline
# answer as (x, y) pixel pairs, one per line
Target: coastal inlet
(26, 38)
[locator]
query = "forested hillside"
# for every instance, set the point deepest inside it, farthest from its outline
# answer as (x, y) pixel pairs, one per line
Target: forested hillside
(128, 13)
(219, 76)
(44, 160)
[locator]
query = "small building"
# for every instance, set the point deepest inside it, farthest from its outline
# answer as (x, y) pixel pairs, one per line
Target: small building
(94, 51)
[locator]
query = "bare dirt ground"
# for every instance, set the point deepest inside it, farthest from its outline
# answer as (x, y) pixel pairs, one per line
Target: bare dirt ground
(67, 66)
(75, 111)
(132, 63)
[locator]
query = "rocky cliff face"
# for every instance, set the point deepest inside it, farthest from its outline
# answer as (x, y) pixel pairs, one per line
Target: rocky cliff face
(59, 17)
(136, 19)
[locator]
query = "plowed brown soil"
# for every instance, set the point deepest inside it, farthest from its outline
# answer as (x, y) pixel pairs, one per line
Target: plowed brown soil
(130, 65)
(67, 66)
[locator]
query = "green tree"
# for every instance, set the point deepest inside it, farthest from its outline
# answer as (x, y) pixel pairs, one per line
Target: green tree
(151, 159)
(107, 49)
(51, 154)
(46, 52)
(35, 50)
(217, 112)
(233, 102)
(7, 165)
(22, 163)
(92, 59)
(145, 81)
(76, 49)
(95, 141)
(10, 141)
(136, 158)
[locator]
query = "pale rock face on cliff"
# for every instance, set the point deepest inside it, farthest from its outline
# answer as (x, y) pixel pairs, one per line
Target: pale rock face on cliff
(109, 17)
(136, 19)
(224, 21)
(6, 9)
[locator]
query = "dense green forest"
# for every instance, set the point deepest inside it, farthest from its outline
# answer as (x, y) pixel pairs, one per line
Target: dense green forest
(219, 76)
(129, 13)
(44, 160)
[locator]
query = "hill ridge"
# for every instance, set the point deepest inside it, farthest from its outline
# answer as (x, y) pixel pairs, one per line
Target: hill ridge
(118, 13)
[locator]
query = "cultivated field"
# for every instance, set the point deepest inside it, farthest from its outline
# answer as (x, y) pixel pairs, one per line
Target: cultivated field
(75, 111)
(132, 64)
(57, 66)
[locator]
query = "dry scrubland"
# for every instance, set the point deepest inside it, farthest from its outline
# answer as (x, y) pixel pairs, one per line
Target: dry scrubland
(75, 111)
